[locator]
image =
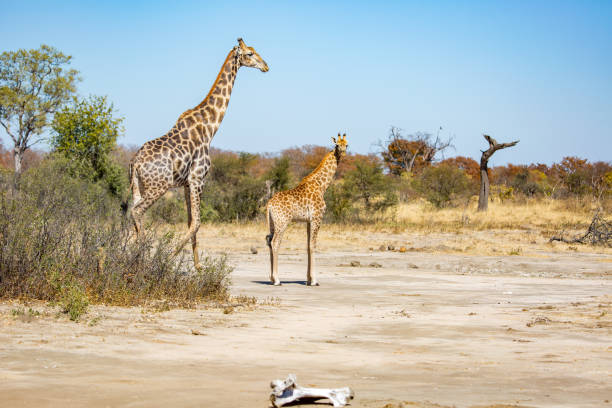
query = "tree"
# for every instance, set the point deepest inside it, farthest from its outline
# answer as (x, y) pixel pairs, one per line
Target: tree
(485, 188)
(34, 84)
(304, 159)
(443, 182)
(278, 175)
(367, 183)
(86, 132)
(232, 193)
(407, 153)
(467, 164)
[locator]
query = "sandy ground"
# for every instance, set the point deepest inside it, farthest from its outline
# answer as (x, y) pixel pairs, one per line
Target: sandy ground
(478, 319)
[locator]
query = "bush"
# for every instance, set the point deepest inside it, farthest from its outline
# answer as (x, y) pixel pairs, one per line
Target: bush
(279, 174)
(86, 133)
(443, 183)
(231, 192)
(170, 208)
(529, 182)
(364, 194)
(73, 300)
(64, 239)
(338, 202)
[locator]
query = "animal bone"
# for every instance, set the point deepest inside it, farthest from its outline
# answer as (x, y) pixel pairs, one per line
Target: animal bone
(285, 392)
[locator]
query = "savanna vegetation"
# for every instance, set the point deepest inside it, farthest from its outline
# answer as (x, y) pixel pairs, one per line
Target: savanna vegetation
(65, 236)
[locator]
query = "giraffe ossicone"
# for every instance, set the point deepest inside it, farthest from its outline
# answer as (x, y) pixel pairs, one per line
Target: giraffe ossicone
(180, 158)
(303, 203)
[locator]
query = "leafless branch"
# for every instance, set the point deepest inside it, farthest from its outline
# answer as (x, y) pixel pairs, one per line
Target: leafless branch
(598, 233)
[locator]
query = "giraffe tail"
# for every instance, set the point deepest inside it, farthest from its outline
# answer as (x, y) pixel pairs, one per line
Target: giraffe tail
(131, 173)
(270, 223)
(134, 189)
(126, 200)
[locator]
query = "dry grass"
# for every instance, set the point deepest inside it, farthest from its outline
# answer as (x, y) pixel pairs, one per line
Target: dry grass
(529, 214)
(510, 228)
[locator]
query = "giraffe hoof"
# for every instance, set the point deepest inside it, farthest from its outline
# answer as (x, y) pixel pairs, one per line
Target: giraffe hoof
(313, 284)
(198, 267)
(276, 283)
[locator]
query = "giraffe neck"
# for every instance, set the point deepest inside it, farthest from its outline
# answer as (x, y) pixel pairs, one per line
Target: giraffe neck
(213, 107)
(323, 175)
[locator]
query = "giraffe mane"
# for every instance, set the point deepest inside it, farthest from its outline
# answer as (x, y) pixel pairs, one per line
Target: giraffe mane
(212, 88)
(312, 173)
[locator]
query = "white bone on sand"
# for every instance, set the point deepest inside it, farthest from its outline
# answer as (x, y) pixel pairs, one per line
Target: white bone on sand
(285, 392)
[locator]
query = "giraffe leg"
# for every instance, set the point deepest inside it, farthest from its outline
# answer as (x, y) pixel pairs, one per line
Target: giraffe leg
(274, 248)
(313, 230)
(194, 238)
(194, 201)
(269, 243)
(136, 200)
(142, 204)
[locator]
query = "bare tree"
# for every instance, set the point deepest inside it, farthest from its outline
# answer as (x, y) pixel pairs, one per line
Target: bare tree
(483, 198)
(402, 153)
(434, 146)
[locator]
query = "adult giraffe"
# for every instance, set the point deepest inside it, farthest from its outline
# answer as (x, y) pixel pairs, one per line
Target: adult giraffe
(181, 156)
(305, 203)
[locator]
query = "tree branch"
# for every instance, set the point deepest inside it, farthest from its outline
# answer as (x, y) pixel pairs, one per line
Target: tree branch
(7, 128)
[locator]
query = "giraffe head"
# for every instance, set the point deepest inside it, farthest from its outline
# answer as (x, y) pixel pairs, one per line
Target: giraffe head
(248, 57)
(341, 145)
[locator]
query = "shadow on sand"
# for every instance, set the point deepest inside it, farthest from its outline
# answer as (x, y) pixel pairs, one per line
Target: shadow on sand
(295, 282)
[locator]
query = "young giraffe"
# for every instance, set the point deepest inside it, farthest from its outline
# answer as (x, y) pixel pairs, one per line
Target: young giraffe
(181, 156)
(302, 203)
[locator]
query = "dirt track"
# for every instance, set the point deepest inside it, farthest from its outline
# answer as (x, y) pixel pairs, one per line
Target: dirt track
(458, 330)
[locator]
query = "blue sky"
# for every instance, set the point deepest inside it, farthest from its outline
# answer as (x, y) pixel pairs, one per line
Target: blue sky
(536, 71)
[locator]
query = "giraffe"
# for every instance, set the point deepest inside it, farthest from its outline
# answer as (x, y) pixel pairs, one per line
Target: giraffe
(181, 156)
(303, 203)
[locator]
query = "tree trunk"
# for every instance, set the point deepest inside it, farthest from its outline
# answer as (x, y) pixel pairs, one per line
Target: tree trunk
(483, 198)
(18, 157)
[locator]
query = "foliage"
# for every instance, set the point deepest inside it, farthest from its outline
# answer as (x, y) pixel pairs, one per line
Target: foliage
(441, 184)
(368, 184)
(64, 239)
(338, 202)
(86, 132)
(170, 208)
(73, 300)
(279, 174)
(365, 188)
(30, 158)
(572, 176)
(304, 159)
(573, 172)
(34, 84)
(231, 192)
(413, 152)
(529, 182)
(467, 164)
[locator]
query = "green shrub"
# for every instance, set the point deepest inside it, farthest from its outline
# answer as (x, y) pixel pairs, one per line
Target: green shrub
(525, 182)
(443, 183)
(170, 208)
(338, 202)
(232, 193)
(73, 300)
(85, 132)
(364, 195)
(279, 174)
